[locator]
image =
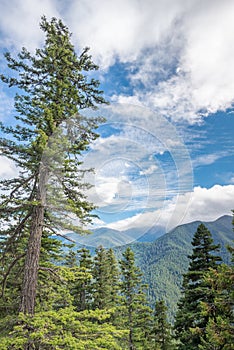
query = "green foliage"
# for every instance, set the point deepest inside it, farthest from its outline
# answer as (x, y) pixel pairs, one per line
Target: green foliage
(81, 288)
(219, 332)
(136, 315)
(161, 330)
(126, 321)
(165, 261)
(106, 278)
(45, 142)
(190, 320)
(63, 329)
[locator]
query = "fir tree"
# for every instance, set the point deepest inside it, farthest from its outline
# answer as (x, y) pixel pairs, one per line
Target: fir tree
(71, 259)
(45, 145)
(101, 279)
(136, 313)
(84, 289)
(219, 331)
(190, 320)
(161, 330)
(113, 279)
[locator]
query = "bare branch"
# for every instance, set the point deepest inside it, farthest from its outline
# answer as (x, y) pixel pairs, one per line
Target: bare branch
(59, 234)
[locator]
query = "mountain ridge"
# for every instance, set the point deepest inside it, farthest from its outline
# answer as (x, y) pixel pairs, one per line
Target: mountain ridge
(165, 260)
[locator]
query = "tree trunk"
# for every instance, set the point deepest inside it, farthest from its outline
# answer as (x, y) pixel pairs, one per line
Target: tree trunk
(29, 286)
(130, 339)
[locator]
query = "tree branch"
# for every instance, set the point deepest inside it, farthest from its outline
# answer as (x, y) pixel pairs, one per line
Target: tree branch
(8, 272)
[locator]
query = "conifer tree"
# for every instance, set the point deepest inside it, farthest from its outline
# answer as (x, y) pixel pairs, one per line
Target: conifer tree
(84, 289)
(45, 143)
(219, 331)
(71, 259)
(101, 279)
(113, 279)
(136, 313)
(161, 329)
(190, 321)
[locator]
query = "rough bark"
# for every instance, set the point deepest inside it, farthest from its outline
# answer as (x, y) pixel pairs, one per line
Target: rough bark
(29, 287)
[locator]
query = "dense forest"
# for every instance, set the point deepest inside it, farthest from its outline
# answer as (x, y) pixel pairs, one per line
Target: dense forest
(52, 300)
(99, 302)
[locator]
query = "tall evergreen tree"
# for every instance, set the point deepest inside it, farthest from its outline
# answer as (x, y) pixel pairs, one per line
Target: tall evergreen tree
(71, 259)
(46, 145)
(84, 289)
(190, 321)
(101, 279)
(136, 314)
(113, 278)
(219, 332)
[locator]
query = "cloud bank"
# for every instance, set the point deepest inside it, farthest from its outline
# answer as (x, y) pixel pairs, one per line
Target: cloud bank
(180, 51)
(201, 204)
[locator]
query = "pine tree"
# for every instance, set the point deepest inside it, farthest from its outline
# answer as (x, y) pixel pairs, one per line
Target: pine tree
(113, 279)
(101, 284)
(46, 142)
(71, 259)
(84, 288)
(161, 330)
(219, 332)
(136, 314)
(190, 321)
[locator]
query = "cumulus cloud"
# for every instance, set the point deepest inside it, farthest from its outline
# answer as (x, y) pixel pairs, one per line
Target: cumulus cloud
(122, 28)
(150, 170)
(202, 81)
(204, 204)
(179, 51)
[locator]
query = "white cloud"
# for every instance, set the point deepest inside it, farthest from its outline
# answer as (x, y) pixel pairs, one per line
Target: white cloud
(201, 204)
(181, 51)
(207, 159)
(129, 174)
(121, 28)
(7, 168)
(149, 171)
(189, 72)
(19, 22)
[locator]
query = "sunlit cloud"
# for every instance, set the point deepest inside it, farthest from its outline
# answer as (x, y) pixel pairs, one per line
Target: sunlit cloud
(201, 204)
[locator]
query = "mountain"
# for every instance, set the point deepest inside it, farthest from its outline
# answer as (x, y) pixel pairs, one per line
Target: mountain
(152, 234)
(161, 257)
(110, 238)
(164, 261)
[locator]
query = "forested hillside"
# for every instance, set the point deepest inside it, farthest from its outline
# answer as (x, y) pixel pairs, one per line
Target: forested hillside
(166, 260)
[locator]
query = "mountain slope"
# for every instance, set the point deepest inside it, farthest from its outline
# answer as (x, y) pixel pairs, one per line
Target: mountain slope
(164, 261)
(111, 238)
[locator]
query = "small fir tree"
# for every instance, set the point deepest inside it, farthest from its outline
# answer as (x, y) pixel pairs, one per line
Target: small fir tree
(84, 289)
(161, 329)
(102, 281)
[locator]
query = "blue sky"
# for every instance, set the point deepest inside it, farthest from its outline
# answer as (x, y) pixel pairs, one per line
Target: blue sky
(165, 155)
